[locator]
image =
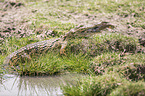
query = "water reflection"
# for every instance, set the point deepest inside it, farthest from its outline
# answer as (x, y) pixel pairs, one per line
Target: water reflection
(12, 85)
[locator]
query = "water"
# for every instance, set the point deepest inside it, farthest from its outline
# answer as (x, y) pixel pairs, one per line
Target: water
(12, 85)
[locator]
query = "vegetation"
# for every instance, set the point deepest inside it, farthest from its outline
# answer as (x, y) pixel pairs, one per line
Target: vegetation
(131, 88)
(114, 59)
(95, 85)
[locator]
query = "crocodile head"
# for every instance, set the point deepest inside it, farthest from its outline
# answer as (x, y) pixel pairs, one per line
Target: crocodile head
(84, 31)
(99, 27)
(104, 25)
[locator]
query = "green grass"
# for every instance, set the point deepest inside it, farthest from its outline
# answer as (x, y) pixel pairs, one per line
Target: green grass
(132, 67)
(100, 63)
(130, 89)
(110, 84)
(95, 85)
(14, 43)
(74, 62)
(99, 44)
(53, 63)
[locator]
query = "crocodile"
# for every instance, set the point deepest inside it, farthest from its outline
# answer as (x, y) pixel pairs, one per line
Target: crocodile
(43, 46)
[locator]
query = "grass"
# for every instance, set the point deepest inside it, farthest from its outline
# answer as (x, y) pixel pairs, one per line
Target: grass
(102, 43)
(134, 88)
(110, 84)
(53, 63)
(103, 61)
(132, 67)
(95, 85)
(112, 57)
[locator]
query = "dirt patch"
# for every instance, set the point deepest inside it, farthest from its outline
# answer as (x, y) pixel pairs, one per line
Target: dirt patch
(10, 4)
(13, 22)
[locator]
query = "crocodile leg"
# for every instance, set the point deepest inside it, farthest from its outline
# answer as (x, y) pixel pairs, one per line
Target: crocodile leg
(18, 57)
(63, 46)
(26, 56)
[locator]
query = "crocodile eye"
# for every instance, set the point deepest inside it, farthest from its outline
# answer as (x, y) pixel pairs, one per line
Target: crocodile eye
(111, 27)
(96, 27)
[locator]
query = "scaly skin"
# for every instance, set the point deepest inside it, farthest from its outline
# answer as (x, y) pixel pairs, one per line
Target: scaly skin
(43, 46)
(86, 31)
(31, 49)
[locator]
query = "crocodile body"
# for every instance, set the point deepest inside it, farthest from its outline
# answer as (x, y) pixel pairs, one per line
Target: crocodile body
(43, 46)
(31, 49)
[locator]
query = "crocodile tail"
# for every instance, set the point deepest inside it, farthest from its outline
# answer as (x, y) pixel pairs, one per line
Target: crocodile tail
(7, 60)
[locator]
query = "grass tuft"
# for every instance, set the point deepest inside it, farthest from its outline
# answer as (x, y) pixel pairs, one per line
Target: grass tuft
(132, 68)
(94, 85)
(130, 89)
(53, 63)
(104, 43)
(103, 61)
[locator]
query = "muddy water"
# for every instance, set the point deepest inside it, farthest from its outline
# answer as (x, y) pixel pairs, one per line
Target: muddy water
(12, 85)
